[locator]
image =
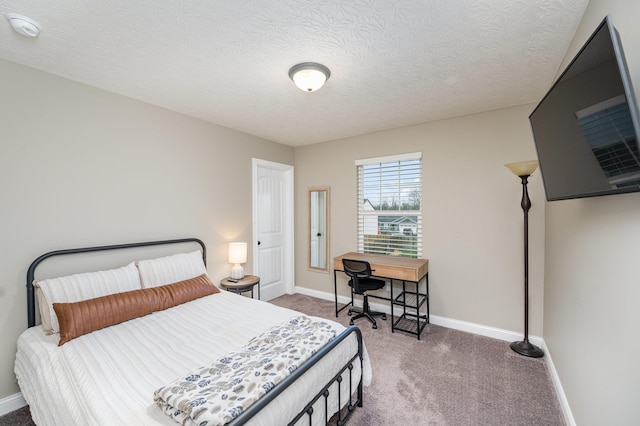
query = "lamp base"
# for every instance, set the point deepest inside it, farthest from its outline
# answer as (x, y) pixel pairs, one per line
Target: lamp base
(527, 349)
(237, 272)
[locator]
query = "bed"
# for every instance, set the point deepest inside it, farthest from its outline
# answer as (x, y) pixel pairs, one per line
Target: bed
(110, 375)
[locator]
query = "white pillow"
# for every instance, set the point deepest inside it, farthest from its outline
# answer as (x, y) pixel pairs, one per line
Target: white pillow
(78, 287)
(171, 269)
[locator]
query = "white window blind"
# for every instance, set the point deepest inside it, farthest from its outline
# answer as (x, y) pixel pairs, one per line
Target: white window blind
(608, 128)
(390, 205)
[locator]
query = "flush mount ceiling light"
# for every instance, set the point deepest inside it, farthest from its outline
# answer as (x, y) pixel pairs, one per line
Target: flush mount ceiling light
(309, 76)
(23, 25)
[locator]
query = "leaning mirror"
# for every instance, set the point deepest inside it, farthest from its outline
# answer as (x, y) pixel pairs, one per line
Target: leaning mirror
(318, 228)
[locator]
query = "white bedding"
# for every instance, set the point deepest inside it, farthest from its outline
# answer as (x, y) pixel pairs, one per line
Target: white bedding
(108, 377)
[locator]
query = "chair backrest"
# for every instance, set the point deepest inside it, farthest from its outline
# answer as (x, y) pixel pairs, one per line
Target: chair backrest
(356, 269)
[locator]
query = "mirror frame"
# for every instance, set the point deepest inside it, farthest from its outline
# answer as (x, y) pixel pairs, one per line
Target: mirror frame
(327, 192)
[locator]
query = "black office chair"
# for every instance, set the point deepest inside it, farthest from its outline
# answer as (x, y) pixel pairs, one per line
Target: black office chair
(360, 273)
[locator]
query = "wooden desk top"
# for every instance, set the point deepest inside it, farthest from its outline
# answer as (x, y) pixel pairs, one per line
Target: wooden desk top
(398, 268)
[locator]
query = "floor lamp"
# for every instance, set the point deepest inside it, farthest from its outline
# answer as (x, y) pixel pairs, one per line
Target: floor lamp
(523, 170)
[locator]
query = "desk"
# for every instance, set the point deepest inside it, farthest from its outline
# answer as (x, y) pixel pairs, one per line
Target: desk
(404, 269)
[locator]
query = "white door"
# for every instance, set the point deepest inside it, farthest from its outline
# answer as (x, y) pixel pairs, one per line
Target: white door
(273, 259)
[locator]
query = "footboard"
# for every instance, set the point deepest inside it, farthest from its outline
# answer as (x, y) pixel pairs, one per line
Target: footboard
(320, 400)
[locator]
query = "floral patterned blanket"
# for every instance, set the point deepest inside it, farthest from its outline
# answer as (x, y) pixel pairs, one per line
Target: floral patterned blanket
(218, 393)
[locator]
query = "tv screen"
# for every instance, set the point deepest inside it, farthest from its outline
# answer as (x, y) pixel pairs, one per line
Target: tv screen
(586, 127)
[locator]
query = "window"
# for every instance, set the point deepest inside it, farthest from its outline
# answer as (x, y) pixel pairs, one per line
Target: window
(390, 205)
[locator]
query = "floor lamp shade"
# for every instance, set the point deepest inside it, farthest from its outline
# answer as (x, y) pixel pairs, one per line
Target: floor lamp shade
(237, 255)
(523, 170)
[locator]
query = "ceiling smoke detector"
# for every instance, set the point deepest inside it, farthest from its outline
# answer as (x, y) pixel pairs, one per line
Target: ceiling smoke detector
(23, 25)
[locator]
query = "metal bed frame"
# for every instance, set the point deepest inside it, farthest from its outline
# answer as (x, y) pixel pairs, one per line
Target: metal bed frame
(340, 418)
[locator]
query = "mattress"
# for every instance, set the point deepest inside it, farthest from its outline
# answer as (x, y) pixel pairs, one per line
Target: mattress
(108, 376)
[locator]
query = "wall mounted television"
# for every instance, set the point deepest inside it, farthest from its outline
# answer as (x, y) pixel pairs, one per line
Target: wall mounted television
(586, 127)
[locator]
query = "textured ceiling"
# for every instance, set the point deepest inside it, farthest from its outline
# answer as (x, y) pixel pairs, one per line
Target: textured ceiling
(393, 63)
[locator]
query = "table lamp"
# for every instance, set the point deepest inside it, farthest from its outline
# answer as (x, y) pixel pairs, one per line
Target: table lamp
(237, 255)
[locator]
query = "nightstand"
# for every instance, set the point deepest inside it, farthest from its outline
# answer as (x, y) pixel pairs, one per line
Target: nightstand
(242, 285)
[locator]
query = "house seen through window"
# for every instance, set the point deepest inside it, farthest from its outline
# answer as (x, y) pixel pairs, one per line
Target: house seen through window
(390, 205)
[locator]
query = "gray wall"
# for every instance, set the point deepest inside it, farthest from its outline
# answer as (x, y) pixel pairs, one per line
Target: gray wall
(592, 280)
(158, 174)
(472, 219)
(80, 166)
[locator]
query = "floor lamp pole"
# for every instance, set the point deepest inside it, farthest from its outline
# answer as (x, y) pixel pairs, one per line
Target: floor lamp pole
(524, 347)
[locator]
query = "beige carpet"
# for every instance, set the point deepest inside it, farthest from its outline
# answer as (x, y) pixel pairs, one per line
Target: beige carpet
(449, 377)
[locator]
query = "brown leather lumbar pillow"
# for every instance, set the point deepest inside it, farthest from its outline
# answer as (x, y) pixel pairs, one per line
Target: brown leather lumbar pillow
(183, 291)
(79, 318)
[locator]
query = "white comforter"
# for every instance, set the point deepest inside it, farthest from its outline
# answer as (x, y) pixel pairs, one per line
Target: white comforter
(108, 377)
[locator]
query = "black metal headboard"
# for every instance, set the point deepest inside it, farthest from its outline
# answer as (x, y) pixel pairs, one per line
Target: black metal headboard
(31, 297)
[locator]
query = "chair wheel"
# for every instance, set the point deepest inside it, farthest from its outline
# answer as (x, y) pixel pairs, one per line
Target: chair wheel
(349, 313)
(384, 317)
(351, 322)
(374, 326)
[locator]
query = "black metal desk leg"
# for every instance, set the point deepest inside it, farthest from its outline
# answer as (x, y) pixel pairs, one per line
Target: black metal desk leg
(393, 327)
(426, 280)
(335, 290)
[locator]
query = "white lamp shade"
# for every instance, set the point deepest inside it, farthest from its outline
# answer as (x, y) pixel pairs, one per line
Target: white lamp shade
(523, 168)
(237, 252)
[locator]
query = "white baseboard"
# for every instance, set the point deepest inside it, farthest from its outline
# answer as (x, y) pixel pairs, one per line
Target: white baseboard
(11, 403)
(482, 330)
(564, 403)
